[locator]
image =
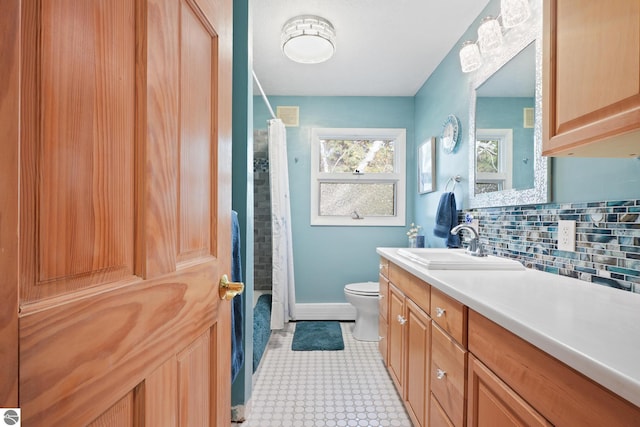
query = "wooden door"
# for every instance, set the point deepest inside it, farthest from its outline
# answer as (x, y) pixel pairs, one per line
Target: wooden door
(115, 216)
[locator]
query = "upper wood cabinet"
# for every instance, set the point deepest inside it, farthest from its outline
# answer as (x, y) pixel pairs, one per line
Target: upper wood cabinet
(591, 78)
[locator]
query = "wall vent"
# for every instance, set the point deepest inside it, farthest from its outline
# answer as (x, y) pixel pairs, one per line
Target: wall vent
(528, 117)
(289, 115)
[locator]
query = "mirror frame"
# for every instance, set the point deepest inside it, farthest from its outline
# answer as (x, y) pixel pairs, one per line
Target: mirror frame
(515, 40)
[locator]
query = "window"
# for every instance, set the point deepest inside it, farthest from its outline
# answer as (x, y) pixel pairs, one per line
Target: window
(493, 160)
(358, 177)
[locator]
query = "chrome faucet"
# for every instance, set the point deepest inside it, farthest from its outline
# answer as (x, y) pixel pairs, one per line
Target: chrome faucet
(475, 247)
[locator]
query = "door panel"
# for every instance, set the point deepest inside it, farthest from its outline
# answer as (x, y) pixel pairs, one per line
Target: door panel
(197, 52)
(120, 414)
(77, 170)
(125, 212)
(160, 387)
(193, 393)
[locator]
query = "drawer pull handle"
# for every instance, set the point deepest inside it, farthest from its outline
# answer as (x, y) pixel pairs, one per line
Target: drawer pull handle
(440, 312)
(380, 338)
(380, 296)
(440, 374)
(401, 320)
(381, 266)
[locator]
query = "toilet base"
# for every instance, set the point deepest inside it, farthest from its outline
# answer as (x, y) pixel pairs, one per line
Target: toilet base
(366, 328)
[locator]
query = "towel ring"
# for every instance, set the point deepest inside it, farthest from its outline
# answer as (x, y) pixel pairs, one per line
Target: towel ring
(454, 180)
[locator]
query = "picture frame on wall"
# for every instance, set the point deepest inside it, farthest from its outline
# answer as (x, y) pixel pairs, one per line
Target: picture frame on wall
(426, 166)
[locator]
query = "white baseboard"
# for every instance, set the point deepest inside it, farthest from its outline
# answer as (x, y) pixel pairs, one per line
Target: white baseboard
(327, 311)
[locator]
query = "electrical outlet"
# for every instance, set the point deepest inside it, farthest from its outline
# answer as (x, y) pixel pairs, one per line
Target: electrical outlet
(566, 235)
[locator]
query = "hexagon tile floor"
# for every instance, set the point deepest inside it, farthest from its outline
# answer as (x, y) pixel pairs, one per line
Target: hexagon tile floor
(324, 388)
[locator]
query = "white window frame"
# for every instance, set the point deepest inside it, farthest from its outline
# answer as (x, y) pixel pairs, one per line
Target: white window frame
(398, 177)
(505, 159)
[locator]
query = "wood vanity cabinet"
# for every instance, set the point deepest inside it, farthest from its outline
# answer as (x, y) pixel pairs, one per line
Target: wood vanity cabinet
(513, 381)
(453, 367)
(591, 78)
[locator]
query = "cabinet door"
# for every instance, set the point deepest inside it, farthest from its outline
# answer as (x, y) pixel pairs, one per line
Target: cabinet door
(395, 334)
(493, 404)
(418, 340)
(591, 77)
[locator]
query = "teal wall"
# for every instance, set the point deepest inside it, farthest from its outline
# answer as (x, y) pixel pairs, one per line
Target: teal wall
(242, 182)
(327, 258)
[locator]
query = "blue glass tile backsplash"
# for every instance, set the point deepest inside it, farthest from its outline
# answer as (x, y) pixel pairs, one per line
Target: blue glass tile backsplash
(607, 239)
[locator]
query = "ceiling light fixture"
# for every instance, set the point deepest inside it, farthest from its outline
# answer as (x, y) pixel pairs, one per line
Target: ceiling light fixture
(514, 12)
(490, 40)
(308, 39)
(489, 36)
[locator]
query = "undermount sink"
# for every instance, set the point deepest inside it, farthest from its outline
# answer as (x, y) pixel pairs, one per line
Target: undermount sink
(457, 259)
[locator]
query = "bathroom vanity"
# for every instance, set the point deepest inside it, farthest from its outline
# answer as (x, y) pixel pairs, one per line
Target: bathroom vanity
(508, 347)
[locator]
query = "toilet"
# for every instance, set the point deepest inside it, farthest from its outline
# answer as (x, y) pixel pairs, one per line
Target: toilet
(364, 297)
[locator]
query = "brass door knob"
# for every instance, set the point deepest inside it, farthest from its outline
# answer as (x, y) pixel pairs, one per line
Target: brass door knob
(227, 290)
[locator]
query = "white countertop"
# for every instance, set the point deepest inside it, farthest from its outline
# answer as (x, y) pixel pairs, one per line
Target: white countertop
(594, 329)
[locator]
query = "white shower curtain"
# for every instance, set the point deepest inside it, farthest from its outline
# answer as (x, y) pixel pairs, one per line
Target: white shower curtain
(283, 293)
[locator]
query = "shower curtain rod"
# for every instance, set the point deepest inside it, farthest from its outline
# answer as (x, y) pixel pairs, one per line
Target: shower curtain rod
(266, 101)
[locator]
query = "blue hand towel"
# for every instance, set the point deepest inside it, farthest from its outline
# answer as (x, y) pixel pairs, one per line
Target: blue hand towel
(237, 303)
(446, 219)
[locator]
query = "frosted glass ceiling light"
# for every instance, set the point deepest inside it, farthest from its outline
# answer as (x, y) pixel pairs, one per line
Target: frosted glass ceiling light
(470, 59)
(489, 35)
(308, 39)
(514, 12)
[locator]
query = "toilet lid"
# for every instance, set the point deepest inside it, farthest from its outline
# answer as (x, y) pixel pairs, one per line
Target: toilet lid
(364, 288)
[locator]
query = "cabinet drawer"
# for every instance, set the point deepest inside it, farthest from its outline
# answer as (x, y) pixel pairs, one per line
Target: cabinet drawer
(382, 344)
(383, 304)
(450, 315)
(384, 267)
(415, 289)
(448, 380)
(437, 416)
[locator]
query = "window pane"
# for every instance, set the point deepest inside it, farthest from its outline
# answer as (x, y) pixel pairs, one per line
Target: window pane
(487, 156)
(364, 155)
(487, 187)
(341, 199)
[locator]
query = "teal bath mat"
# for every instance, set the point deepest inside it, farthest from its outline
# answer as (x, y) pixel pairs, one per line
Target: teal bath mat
(317, 335)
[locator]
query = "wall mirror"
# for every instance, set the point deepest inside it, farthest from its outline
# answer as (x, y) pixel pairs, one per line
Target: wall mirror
(506, 166)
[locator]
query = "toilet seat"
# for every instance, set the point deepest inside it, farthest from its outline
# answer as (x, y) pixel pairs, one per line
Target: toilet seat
(371, 289)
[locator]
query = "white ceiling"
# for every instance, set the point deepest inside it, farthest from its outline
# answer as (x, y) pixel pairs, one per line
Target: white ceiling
(383, 47)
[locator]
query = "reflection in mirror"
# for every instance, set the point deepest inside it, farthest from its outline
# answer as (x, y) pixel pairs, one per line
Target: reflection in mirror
(506, 166)
(505, 106)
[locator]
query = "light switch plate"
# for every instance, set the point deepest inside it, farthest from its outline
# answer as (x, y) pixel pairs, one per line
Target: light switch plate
(566, 235)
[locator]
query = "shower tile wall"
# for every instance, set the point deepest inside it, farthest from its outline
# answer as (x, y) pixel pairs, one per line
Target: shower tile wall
(607, 239)
(262, 212)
